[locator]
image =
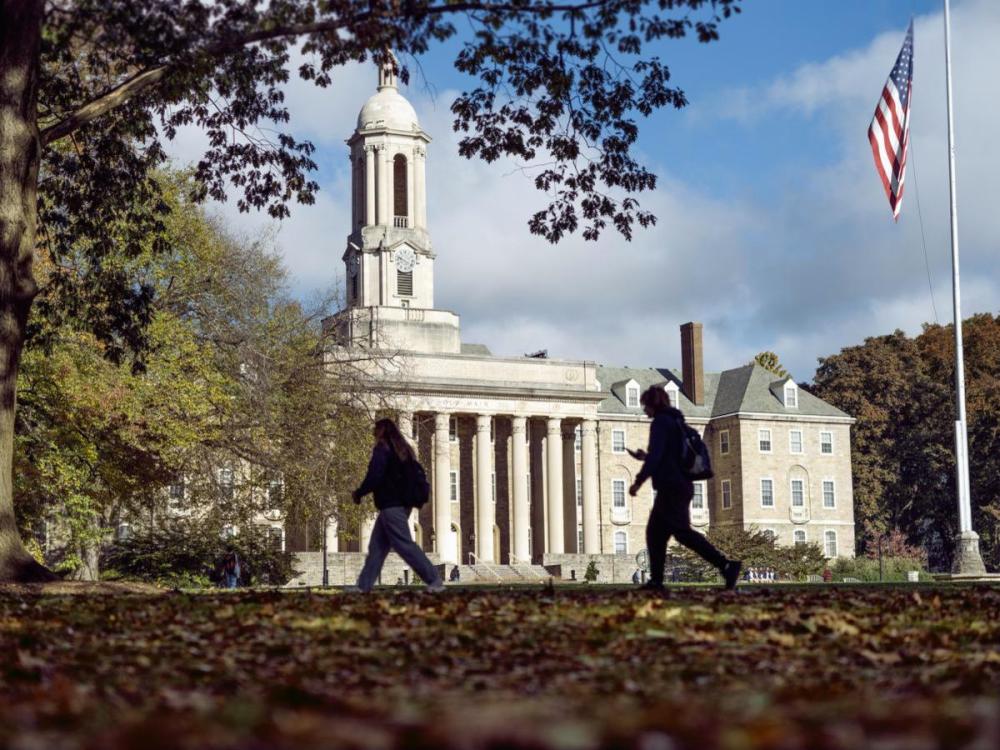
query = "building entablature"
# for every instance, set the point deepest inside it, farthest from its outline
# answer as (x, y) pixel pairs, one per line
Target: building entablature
(768, 417)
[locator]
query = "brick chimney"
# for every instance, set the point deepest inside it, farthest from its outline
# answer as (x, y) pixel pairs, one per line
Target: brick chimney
(692, 365)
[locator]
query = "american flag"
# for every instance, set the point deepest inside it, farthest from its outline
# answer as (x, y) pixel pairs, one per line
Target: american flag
(889, 132)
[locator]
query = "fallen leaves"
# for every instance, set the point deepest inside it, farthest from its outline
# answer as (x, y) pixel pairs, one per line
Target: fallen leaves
(527, 668)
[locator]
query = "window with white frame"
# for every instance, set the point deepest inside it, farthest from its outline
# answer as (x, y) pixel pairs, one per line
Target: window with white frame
(674, 394)
(177, 489)
(618, 494)
(764, 440)
(579, 492)
(225, 476)
(724, 442)
(453, 429)
(766, 493)
(275, 493)
(830, 543)
(798, 493)
(769, 534)
(579, 538)
(698, 501)
(578, 439)
(124, 531)
(618, 441)
(799, 536)
(275, 537)
(727, 494)
(791, 396)
(795, 441)
(632, 397)
(826, 443)
(829, 494)
(621, 542)
(453, 486)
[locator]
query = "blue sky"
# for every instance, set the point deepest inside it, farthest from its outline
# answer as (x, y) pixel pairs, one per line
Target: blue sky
(773, 231)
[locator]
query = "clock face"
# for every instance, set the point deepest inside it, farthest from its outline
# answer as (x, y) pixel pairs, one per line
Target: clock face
(405, 259)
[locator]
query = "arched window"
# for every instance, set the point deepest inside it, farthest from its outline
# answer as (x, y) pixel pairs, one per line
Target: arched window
(399, 196)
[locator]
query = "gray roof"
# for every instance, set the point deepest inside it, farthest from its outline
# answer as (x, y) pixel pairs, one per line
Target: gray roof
(742, 389)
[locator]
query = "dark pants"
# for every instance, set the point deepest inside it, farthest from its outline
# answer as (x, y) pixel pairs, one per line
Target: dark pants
(666, 522)
(392, 532)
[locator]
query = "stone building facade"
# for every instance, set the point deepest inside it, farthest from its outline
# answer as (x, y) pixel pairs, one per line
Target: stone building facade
(526, 455)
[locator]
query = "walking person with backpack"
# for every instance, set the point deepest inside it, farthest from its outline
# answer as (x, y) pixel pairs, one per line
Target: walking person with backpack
(674, 457)
(399, 484)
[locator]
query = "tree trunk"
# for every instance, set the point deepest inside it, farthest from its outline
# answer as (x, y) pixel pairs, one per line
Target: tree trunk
(90, 568)
(20, 34)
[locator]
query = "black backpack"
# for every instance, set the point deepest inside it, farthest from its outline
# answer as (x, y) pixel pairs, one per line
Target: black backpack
(418, 489)
(695, 462)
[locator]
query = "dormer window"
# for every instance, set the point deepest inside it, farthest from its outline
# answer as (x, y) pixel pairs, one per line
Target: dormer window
(674, 393)
(632, 396)
(791, 395)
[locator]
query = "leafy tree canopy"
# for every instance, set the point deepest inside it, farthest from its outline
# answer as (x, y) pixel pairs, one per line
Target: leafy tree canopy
(91, 89)
(901, 390)
(769, 361)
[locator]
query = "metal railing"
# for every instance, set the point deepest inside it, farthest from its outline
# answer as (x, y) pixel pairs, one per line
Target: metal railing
(476, 562)
(515, 560)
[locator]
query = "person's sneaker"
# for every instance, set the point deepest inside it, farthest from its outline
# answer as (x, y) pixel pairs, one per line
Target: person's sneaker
(651, 586)
(436, 587)
(731, 572)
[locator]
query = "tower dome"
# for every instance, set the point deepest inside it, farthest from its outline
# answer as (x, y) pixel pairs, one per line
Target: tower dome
(387, 108)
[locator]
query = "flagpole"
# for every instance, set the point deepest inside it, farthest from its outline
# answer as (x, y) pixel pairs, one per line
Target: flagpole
(967, 556)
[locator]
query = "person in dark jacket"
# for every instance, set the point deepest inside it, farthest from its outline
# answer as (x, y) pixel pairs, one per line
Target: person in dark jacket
(388, 480)
(670, 514)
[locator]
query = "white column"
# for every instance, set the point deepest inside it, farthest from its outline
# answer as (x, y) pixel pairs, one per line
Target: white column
(420, 187)
(366, 533)
(332, 535)
(369, 185)
(405, 424)
(554, 470)
(444, 539)
(522, 510)
(485, 510)
(384, 186)
(591, 497)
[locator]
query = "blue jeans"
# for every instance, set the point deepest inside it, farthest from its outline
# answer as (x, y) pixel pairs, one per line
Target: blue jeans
(392, 532)
(230, 580)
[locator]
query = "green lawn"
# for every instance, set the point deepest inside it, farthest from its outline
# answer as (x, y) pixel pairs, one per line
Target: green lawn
(795, 667)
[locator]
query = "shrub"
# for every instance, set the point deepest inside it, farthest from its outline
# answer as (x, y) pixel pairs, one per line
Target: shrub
(756, 548)
(187, 555)
(591, 574)
(866, 569)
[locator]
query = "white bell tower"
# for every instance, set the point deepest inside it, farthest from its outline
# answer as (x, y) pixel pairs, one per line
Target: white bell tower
(388, 256)
(389, 261)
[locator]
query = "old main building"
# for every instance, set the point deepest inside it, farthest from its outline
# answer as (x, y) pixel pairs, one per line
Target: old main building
(527, 454)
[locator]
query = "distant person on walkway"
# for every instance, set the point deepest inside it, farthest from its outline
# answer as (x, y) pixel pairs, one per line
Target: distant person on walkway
(455, 575)
(390, 476)
(231, 570)
(670, 514)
